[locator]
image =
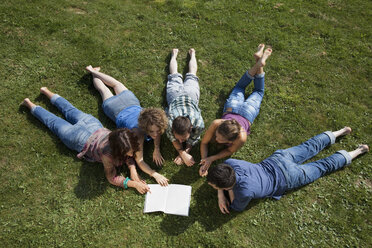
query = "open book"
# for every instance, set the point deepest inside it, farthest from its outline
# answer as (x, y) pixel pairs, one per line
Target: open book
(172, 199)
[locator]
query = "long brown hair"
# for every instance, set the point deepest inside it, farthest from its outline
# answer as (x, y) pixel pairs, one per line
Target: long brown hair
(229, 129)
(121, 141)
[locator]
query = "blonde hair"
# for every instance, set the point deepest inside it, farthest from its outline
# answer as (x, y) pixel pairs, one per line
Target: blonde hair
(153, 116)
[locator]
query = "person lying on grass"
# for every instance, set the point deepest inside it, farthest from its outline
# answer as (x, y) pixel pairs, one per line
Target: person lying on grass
(125, 110)
(185, 120)
(238, 114)
(86, 135)
(238, 181)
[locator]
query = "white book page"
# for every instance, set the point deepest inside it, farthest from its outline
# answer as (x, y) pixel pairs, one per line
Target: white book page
(156, 200)
(178, 199)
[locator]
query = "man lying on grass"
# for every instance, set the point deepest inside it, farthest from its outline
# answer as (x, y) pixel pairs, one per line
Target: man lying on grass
(238, 181)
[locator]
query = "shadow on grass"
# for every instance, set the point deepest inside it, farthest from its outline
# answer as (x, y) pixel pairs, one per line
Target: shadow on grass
(92, 181)
(87, 80)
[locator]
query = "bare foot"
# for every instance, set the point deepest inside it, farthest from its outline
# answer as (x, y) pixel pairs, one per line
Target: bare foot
(26, 102)
(342, 131)
(174, 52)
(346, 130)
(363, 148)
(265, 56)
(45, 91)
(91, 68)
(259, 52)
(192, 52)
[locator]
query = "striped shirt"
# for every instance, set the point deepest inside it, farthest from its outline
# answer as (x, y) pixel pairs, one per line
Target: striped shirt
(185, 106)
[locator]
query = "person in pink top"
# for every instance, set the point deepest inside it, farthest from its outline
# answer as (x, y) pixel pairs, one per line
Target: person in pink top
(85, 134)
(238, 114)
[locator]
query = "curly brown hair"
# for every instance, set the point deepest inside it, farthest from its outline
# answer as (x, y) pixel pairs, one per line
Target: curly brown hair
(121, 141)
(229, 129)
(153, 116)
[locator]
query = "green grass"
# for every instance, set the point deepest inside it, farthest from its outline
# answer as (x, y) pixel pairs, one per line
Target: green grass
(318, 78)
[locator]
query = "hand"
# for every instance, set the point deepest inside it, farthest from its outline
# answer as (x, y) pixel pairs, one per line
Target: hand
(160, 179)
(142, 187)
(223, 203)
(157, 158)
(206, 163)
(188, 159)
(178, 160)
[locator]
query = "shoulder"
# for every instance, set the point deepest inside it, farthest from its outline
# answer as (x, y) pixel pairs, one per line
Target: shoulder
(237, 164)
(217, 122)
(243, 135)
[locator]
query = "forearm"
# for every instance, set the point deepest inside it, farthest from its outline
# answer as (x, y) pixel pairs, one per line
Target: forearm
(145, 167)
(133, 173)
(178, 146)
(157, 143)
(188, 148)
(222, 154)
(203, 150)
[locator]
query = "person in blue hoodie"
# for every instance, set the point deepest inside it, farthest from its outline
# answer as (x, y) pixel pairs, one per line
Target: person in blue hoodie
(238, 181)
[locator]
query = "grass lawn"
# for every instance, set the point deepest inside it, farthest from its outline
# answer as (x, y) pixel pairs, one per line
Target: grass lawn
(318, 78)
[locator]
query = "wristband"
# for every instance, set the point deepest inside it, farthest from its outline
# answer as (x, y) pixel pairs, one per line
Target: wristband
(125, 183)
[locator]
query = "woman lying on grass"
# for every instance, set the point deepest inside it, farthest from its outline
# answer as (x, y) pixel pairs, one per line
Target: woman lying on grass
(86, 135)
(238, 114)
(125, 110)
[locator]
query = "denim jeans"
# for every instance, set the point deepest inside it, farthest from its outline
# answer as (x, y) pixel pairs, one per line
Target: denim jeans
(298, 174)
(176, 87)
(74, 132)
(115, 104)
(250, 107)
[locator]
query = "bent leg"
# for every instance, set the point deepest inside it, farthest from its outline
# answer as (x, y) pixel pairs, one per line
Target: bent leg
(253, 103)
(108, 80)
(72, 114)
(236, 96)
(103, 90)
(58, 126)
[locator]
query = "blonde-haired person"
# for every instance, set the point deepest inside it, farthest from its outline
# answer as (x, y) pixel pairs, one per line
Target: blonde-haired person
(125, 110)
(238, 114)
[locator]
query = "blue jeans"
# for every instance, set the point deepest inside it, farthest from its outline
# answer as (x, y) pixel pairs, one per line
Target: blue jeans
(250, 107)
(176, 87)
(74, 132)
(298, 174)
(115, 104)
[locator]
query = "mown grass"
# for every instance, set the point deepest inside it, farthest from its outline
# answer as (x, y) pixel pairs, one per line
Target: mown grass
(318, 78)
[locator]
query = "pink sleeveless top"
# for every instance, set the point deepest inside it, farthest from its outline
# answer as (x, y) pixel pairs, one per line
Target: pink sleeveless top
(240, 119)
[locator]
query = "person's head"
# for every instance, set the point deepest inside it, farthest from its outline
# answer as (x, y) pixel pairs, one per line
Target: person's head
(221, 176)
(181, 128)
(123, 142)
(153, 121)
(227, 131)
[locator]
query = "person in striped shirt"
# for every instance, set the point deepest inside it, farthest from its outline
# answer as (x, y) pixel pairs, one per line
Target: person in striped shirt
(185, 121)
